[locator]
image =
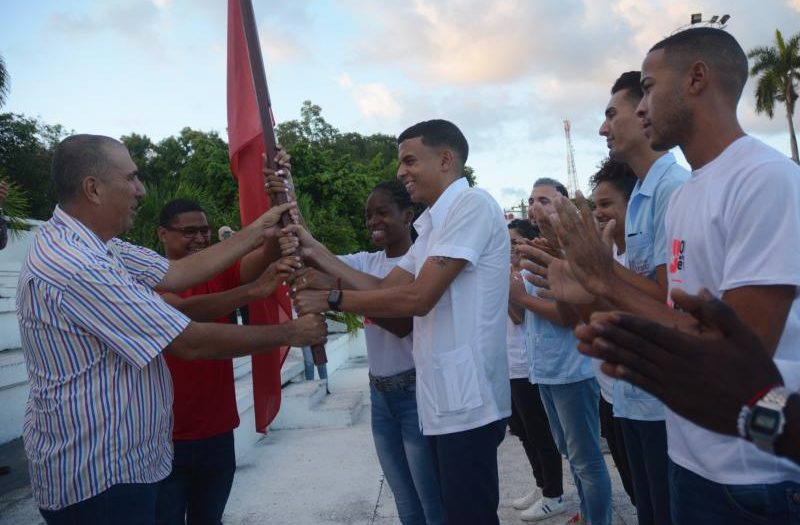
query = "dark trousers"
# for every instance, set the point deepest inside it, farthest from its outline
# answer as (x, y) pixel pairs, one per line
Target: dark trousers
(533, 430)
(696, 499)
(466, 463)
(196, 491)
(123, 504)
(646, 445)
(611, 429)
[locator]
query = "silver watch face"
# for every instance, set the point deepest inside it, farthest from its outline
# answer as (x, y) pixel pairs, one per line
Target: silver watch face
(765, 421)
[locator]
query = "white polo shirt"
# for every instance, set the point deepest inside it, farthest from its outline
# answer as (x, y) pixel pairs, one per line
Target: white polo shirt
(736, 223)
(460, 345)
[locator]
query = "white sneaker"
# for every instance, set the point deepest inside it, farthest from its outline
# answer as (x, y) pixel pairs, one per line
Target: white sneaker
(526, 501)
(543, 509)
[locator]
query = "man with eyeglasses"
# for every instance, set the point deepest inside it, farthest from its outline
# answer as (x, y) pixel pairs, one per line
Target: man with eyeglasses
(204, 407)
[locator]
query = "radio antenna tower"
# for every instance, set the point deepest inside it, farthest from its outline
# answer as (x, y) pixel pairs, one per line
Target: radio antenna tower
(572, 175)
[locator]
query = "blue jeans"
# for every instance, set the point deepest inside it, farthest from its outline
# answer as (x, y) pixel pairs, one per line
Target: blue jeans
(123, 504)
(572, 410)
(696, 499)
(197, 489)
(308, 366)
(405, 456)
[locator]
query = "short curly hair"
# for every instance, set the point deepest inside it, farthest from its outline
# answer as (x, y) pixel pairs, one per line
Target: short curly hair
(616, 173)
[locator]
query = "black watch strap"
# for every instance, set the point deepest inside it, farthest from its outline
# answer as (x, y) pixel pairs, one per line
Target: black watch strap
(334, 300)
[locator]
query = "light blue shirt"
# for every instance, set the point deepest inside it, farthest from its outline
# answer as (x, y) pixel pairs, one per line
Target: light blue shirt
(646, 248)
(553, 357)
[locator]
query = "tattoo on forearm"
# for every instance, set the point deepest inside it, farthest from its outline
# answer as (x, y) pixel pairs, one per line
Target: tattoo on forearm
(442, 261)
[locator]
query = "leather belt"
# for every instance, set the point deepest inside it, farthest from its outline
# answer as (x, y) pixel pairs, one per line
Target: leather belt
(395, 382)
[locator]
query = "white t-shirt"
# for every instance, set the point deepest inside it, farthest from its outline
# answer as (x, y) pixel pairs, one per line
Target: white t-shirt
(736, 223)
(605, 382)
(517, 355)
(460, 345)
(387, 354)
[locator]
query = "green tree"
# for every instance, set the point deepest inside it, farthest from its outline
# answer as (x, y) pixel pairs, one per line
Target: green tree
(778, 72)
(334, 173)
(192, 165)
(26, 152)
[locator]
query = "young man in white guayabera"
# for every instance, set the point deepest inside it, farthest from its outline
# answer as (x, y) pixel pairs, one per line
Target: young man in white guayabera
(733, 228)
(98, 424)
(454, 281)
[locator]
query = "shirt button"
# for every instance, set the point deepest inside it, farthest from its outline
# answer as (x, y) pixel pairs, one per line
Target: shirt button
(796, 497)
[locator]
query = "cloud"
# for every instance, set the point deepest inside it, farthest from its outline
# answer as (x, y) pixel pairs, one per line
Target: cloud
(515, 193)
(473, 42)
(794, 4)
(280, 45)
(134, 22)
(374, 99)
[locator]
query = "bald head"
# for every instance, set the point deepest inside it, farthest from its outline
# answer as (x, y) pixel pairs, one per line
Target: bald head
(80, 156)
(716, 48)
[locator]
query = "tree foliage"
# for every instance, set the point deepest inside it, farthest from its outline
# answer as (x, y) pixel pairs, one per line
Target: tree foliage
(778, 72)
(192, 165)
(334, 173)
(26, 147)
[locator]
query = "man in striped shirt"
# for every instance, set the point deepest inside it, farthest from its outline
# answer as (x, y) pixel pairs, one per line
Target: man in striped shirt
(97, 431)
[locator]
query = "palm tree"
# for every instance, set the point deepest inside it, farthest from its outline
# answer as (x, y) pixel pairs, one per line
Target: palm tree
(779, 70)
(4, 82)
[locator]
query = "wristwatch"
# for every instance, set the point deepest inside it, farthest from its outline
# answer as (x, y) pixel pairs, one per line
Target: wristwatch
(334, 299)
(766, 419)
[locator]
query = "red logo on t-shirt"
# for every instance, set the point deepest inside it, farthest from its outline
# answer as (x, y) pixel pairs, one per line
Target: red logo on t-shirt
(678, 249)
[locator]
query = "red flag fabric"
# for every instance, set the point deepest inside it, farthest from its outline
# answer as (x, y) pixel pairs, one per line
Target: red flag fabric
(246, 147)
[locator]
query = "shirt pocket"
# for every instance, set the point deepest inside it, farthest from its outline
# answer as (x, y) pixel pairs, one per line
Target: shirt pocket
(639, 254)
(455, 382)
(547, 347)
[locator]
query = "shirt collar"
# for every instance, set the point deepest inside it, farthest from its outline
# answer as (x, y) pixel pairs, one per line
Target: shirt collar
(439, 210)
(64, 220)
(654, 174)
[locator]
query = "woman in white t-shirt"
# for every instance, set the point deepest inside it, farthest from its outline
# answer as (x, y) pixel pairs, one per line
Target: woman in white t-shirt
(612, 186)
(404, 453)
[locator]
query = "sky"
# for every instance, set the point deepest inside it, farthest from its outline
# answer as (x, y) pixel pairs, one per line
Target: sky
(507, 72)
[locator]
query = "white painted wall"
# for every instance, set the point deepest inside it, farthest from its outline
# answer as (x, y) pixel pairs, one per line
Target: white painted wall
(13, 377)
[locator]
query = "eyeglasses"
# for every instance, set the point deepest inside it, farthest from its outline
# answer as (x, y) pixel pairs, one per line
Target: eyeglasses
(190, 231)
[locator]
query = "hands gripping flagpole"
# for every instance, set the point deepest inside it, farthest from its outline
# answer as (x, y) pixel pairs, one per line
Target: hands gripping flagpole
(268, 125)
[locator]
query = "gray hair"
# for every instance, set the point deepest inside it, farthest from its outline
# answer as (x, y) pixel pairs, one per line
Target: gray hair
(77, 157)
(553, 183)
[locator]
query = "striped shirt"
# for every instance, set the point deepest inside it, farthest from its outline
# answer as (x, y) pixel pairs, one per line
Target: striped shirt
(99, 409)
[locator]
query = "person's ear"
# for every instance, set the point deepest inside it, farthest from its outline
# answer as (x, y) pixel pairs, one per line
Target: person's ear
(92, 190)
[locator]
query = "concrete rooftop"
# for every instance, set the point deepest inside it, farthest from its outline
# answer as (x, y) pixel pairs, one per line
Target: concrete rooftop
(331, 476)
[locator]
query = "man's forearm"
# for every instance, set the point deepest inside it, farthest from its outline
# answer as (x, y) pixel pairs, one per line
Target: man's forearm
(516, 312)
(254, 263)
(351, 278)
(399, 326)
(542, 308)
(644, 284)
(209, 307)
(628, 298)
(221, 341)
(398, 301)
(203, 265)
